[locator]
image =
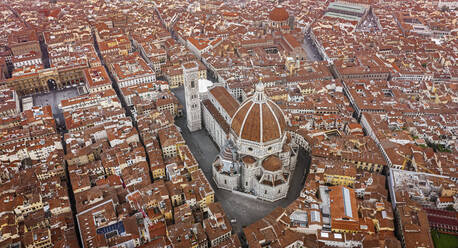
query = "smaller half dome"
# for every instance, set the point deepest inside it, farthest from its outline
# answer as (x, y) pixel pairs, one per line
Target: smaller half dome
(271, 163)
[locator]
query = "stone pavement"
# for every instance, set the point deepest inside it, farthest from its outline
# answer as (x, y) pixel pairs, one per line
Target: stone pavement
(311, 50)
(53, 99)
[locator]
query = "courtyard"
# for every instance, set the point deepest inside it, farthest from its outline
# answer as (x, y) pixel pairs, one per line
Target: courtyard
(53, 98)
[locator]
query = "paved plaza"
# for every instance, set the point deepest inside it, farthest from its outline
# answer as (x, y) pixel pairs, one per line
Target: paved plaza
(244, 209)
(53, 99)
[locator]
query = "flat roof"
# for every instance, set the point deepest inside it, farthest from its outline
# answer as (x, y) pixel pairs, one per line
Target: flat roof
(347, 202)
(348, 7)
(343, 16)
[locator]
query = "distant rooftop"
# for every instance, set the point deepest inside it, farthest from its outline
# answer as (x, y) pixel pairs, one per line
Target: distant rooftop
(360, 9)
(343, 16)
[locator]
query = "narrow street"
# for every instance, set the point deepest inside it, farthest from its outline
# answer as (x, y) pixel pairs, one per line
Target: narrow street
(44, 53)
(311, 50)
(112, 79)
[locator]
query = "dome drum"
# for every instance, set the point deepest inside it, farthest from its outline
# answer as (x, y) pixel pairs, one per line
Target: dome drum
(257, 150)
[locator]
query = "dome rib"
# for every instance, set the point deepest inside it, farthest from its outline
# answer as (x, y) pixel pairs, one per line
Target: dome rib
(278, 111)
(237, 123)
(276, 119)
(261, 128)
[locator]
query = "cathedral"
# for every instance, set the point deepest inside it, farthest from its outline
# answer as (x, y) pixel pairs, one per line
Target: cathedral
(257, 155)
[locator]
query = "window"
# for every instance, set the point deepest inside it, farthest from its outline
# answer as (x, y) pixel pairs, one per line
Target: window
(250, 149)
(193, 84)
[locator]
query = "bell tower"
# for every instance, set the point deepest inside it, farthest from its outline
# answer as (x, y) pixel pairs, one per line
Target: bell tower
(191, 92)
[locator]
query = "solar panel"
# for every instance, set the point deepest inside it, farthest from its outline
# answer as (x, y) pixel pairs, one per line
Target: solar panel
(118, 227)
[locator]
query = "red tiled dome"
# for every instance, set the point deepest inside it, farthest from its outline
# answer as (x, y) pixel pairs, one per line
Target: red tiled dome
(258, 119)
(279, 14)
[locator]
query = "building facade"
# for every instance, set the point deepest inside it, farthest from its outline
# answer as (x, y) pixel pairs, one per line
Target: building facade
(258, 157)
(191, 91)
(218, 110)
(37, 79)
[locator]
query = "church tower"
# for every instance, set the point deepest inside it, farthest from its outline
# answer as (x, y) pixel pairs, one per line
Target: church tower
(191, 92)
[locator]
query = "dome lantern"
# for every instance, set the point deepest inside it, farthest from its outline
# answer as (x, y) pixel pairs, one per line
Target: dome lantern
(259, 95)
